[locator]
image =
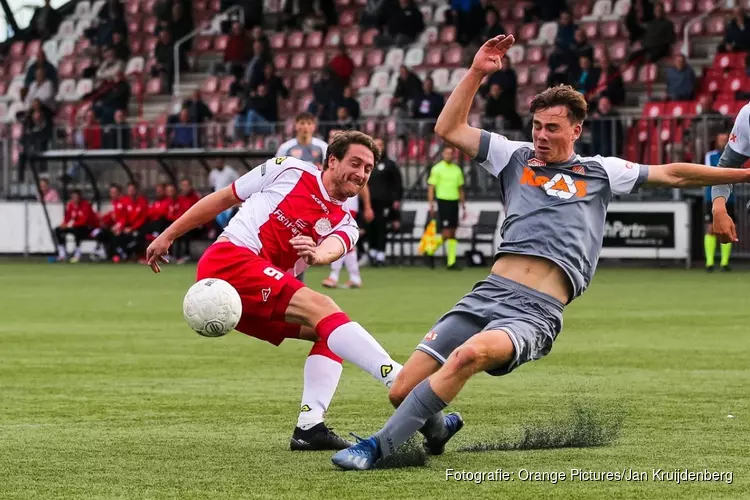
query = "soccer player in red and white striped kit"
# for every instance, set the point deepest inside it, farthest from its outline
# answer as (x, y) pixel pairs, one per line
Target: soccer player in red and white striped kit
(293, 216)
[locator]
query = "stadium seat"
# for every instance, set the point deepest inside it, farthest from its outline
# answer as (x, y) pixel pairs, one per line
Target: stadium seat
(434, 57)
(333, 37)
(154, 86)
(230, 106)
(134, 24)
(220, 43)
(137, 87)
(368, 37)
(736, 82)
(456, 77)
(414, 57)
(299, 61)
(295, 40)
(540, 75)
(136, 44)
(302, 82)
(715, 25)
(581, 10)
(394, 58)
(697, 28)
(618, 51)
(518, 11)
(591, 29)
(729, 61)
(66, 48)
(277, 41)
(358, 57)
(50, 50)
(149, 44)
(535, 55)
(317, 60)
(210, 85)
(610, 29)
(149, 25)
(66, 91)
(201, 44)
(360, 79)
(453, 56)
(448, 34)
(374, 58)
(439, 15)
(547, 34)
(685, 6)
(528, 31)
(426, 14)
(314, 40)
(81, 45)
(429, 36)
(66, 69)
(66, 30)
(383, 103)
(14, 90)
(82, 65)
(654, 109)
(601, 9)
(522, 75)
(351, 37)
(347, 18)
(440, 78)
(648, 73)
(17, 68)
(379, 80)
(214, 103)
(516, 54)
(628, 76)
(32, 48)
(281, 60)
(367, 104)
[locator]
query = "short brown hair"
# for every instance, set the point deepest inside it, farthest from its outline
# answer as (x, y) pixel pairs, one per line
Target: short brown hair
(340, 145)
(562, 95)
(308, 117)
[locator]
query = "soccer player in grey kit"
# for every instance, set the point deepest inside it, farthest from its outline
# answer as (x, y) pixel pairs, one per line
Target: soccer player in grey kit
(555, 201)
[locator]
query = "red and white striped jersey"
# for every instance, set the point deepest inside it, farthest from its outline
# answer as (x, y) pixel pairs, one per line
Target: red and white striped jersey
(285, 197)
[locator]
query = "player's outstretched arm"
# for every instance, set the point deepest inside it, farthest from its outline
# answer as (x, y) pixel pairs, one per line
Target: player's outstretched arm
(330, 250)
(681, 175)
(453, 123)
(205, 210)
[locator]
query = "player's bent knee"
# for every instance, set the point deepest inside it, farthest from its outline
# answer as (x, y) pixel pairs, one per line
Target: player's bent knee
(466, 358)
(309, 307)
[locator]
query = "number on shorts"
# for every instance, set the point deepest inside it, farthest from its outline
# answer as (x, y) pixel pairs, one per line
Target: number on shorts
(273, 273)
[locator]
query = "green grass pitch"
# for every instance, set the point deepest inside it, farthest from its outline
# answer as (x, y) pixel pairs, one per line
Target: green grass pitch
(106, 393)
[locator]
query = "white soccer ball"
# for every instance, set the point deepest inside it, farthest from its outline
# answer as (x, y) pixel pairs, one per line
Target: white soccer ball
(212, 307)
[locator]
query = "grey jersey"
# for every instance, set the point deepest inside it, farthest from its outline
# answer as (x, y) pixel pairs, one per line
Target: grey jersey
(737, 151)
(315, 152)
(556, 211)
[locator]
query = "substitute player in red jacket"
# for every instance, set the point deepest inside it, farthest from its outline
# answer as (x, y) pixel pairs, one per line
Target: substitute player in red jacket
(113, 223)
(292, 217)
(137, 216)
(79, 221)
(186, 199)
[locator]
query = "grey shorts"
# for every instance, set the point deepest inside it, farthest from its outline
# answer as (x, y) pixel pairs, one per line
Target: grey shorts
(532, 320)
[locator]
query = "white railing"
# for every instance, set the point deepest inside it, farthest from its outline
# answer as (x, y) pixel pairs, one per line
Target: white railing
(219, 17)
(685, 51)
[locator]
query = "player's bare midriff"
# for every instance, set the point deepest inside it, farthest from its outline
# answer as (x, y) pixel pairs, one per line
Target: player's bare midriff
(222, 239)
(538, 273)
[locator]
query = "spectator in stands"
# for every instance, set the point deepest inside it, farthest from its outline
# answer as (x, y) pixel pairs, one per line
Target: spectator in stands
(179, 25)
(545, 10)
(45, 21)
(120, 46)
(610, 82)
(184, 132)
(117, 134)
(404, 24)
(680, 80)
(468, 18)
(429, 106)
(165, 61)
(566, 30)
(260, 109)
(492, 26)
(197, 109)
(344, 120)
(79, 220)
(257, 63)
(327, 92)
(641, 12)
(102, 35)
(276, 90)
(499, 111)
(137, 217)
(342, 65)
(606, 129)
(50, 71)
(236, 52)
(564, 58)
(585, 77)
(308, 15)
(221, 176)
(37, 134)
(109, 67)
(117, 96)
(737, 35)
(92, 131)
(186, 199)
(41, 89)
(657, 39)
(408, 90)
(373, 15)
(507, 80)
(111, 6)
(48, 193)
(350, 103)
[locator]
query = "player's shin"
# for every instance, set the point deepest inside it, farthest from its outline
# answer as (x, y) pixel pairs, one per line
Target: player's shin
(321, 377)
(419, 406)
(351, 341)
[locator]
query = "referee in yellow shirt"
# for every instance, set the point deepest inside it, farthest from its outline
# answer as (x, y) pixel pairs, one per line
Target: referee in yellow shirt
(445, 185)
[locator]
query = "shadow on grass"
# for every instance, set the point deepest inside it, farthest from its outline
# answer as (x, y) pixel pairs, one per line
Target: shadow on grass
(410, 454)
(585, 427)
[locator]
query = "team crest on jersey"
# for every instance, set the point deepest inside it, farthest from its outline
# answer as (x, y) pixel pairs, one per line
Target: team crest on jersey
(578, 169)
(430, 336)
(534, 162)
(323, 226)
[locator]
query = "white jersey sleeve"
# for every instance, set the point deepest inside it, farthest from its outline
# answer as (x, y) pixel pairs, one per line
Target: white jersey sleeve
(264, 174)
(347, 232)
(496, 150)
(739, 139)
(624, 176)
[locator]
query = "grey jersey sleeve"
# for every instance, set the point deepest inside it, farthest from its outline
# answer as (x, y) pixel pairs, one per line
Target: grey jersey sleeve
(496, 150)
(624, 177)
(737, 151)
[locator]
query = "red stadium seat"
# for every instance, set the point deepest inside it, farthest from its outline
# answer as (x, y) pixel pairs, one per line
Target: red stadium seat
(610, 29)
(648, 73)
(210, 85)
(3, 88)
(654, 109)
(136, 44)
(715, 25)
(358, 57)
(374, 58)
(729, 61)
(453, 56)
(351, 37)
(149, 25)
(230, 106)
(580, 9)
(628, 76)
(724, 106)
(32, 48)
(368, 37)
(225, 84)
(150, 44)
(202, 44)
(154, 86)
(304, 101)
(734, 83)
(529, 31)
(302, 82)
(295, 40)
(685, 6)
(518, 11)
(17, 67)
(522, 75)
(299, 61)
(66, 69)
(706, 5)
(136, 85)
(214, 103)
(314, 40)
(134, 25)
(318, 59)
(433, 57)
(668, 6)
(535, 54)
(220, 43)
(677, 108)
(17, 50)
(540, 75)
(281, 60)
(448, 34)
(591, 29)
(711, 82)
(360, 79)
(333, 37)
(618, 51)
(277, 41)
(347, 18)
